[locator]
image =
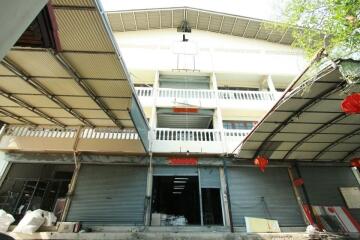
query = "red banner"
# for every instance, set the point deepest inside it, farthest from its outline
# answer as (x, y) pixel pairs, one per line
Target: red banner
(183, 161)
(185, 110)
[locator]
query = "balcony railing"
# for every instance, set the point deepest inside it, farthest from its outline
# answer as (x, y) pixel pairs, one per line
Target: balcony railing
(113, 140)
(179, 134)
(166, 140)
(207, 94)
(26, 138)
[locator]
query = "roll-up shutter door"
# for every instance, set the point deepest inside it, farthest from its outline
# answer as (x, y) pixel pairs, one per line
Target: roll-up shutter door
(322, 185)
(110, 194)
(264, 195)
(175, 171)
(209, 177)
(184, 82)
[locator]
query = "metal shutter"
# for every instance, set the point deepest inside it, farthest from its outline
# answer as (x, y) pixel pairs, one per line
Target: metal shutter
(264, 195)
(323, 183)
(209, 177)
(184, 82)
(175, 171)
(110, 194)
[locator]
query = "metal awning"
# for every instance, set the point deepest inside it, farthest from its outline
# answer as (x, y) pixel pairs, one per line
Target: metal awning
(84, 83)
(135, 20)
(307, 124)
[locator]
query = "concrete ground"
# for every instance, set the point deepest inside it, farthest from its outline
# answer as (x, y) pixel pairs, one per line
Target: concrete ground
(174, 236)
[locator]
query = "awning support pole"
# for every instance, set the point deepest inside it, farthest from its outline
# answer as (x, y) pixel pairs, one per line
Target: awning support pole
(228, 196)
(74, 178)
(298, 197)
(306, 196)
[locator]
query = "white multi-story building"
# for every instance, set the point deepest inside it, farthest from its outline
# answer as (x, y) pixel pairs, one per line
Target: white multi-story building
(203, 91)
(133, 121)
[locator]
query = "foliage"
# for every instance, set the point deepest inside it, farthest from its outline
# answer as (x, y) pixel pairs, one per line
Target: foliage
(330, 24)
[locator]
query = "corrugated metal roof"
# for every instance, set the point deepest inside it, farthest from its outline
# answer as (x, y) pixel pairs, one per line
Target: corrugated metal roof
(122, 21)
(85, 83)
(307, 124)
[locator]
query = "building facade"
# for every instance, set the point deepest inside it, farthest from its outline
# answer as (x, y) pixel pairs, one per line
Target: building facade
(154, 141)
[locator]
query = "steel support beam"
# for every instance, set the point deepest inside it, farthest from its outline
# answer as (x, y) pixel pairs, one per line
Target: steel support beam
(338, 141)
(306, 106)
(16, 117)
(29, 107)
(351, 153)
(71, 71)
(318, 130)
(35, 84)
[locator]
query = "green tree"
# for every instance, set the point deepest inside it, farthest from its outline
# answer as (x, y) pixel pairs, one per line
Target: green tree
(330, 24)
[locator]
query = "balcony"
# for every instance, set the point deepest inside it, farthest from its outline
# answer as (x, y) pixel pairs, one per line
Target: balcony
(168, 97)
(114, 140)
(207, 141)
(52, 139)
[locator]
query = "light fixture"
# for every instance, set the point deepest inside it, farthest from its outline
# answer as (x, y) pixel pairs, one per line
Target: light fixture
(179, 181)
(176, 192)
(181, 178)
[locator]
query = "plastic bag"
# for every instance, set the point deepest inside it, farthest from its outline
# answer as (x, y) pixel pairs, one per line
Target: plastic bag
(5, 220)
(50, 219)
(31, 221)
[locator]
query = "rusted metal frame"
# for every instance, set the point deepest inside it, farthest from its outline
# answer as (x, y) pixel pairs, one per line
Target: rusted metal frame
(338, 141)
(16, 117)
(298, 196)
(35, 84)
(318, 130)
(29, 107)
(70, 70)
(297, 113)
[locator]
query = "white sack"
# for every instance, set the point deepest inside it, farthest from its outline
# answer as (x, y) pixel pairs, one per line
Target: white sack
(5, 220)
(30, 222)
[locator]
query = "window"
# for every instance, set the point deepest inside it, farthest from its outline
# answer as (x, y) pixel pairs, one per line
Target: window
(241, 125)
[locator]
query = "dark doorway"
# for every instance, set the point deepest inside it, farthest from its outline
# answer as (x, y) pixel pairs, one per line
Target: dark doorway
(211, 203)
(175, 197)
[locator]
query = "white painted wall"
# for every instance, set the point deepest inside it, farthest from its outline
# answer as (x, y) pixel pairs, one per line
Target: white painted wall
(147, 51)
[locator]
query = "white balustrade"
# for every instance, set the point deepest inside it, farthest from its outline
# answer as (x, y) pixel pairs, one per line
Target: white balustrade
(40, 132)
(246, 95)
(109, 133)
(181, 134)
(208, 94)
(144, 91)
(163, 139)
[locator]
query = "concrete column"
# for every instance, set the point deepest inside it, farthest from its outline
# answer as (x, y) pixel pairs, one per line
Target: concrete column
(218, 121)
(149, 187)
(224, 198)
(356, 173)
(153, 119)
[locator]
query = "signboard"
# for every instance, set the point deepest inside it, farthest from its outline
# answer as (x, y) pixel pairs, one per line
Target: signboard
(187, 161)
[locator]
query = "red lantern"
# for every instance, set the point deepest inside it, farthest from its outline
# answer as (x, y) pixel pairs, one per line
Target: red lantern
(261, 162)
(355, 162)
(351, 104)
(298, 182)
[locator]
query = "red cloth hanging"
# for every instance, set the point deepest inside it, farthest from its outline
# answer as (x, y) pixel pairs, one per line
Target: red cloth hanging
(261, 162)
(351, 104)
